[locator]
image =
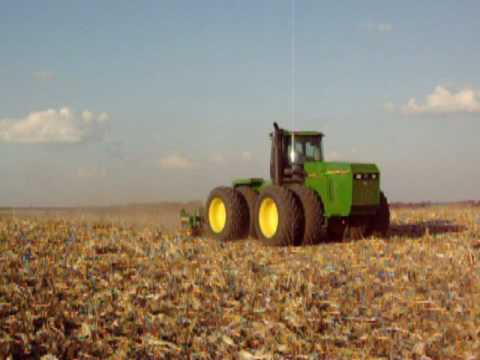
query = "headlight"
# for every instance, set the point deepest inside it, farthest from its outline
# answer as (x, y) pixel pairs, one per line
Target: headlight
(358, 176)
(374, 176)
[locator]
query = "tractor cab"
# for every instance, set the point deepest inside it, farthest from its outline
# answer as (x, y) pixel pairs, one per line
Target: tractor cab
(303, 147)
(290, 151)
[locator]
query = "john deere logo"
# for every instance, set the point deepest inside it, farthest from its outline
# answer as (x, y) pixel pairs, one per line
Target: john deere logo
(337, 172)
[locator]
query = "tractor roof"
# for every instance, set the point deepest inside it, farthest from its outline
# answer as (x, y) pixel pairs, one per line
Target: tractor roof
(304, 133)
(301, 133)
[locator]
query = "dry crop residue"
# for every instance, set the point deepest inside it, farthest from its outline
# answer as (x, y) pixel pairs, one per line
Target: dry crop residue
(70, 289)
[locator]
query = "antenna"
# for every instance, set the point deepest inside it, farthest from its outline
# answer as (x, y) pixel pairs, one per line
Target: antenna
(292, 75)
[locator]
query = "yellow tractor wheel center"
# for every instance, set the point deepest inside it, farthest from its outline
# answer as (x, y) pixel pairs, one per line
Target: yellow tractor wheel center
(268, 217)
(217, 215)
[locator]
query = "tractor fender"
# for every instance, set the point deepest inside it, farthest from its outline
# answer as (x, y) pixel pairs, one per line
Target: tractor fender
(254, 183)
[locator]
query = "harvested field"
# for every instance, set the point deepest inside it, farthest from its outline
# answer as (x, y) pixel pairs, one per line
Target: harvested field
(74, 288)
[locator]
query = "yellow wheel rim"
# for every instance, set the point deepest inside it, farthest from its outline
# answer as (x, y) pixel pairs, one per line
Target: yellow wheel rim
(268, 218)
(217, 215)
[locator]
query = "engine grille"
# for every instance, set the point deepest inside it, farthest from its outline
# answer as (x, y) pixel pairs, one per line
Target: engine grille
(366, 189)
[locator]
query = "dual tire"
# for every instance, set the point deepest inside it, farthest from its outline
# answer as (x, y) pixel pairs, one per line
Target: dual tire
(277, 216)
(312, 209)
(227, 214)
(250, 197)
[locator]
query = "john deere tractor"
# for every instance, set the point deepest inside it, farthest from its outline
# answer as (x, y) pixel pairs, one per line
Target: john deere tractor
(306, 197)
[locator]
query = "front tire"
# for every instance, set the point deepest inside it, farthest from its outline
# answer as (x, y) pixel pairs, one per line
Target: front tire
(380, 222)
(336, 229)
(227, 214)
(279, 217)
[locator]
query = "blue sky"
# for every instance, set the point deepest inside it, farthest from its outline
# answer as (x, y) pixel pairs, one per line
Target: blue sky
(119, 101)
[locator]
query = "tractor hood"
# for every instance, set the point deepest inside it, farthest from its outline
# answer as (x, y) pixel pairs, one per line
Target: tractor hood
(344, 187)
(338, 168)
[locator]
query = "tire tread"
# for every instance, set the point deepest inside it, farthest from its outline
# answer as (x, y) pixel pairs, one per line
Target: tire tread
(312, 211)
(250, 197)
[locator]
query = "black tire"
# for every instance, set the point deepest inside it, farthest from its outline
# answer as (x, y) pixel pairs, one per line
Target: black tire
(336, 230)
(380, 222)
(236, 214)
(290, 217)
(250, 196)
(312, 211)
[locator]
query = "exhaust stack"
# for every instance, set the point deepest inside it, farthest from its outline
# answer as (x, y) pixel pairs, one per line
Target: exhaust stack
(278, 165)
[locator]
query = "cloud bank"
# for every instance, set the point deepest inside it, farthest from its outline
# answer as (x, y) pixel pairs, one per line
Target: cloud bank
(55, 126)
(441, 101)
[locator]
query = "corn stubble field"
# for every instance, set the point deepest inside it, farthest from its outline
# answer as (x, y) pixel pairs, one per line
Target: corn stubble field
(72, 288)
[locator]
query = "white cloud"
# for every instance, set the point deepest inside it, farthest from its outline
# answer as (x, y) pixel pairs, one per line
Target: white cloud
(175, 161)
(379, 27)
(55, 126)
(443, 101)
(247, 156)
(43, 75)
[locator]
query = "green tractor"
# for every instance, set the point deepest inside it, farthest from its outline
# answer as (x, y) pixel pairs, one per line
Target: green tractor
(306, 197)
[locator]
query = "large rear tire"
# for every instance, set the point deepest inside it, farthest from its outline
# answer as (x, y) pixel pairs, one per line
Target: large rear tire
(313, 213)
(250, 197)
(279, 217)
(380, 222)
(227, 214)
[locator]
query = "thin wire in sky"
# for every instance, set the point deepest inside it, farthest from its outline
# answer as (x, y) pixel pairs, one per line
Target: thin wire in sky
(292, 60)
(292, 68)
